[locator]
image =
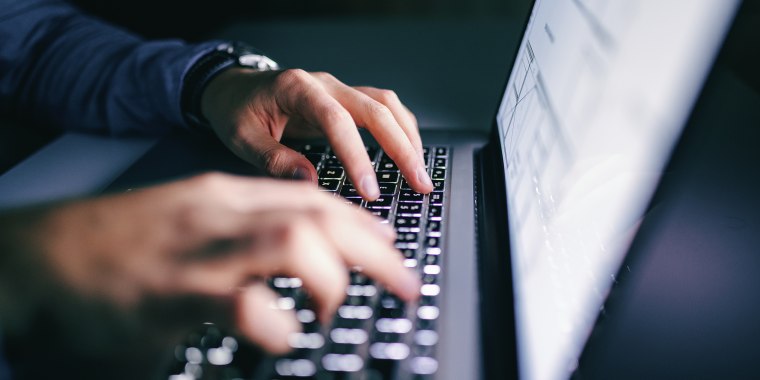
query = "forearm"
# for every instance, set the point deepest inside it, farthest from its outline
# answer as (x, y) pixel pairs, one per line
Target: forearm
(62, 68)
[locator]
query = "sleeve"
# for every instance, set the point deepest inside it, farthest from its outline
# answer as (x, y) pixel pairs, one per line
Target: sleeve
(62, 68)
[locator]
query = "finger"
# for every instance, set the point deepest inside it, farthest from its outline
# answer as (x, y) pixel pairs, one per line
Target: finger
(310, 257)
(403, 116)
(379, 120)
(376, 257)
(262, 322)
(300, 94)
(258, 147)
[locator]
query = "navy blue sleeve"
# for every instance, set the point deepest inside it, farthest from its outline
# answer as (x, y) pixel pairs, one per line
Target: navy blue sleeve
(63, 68)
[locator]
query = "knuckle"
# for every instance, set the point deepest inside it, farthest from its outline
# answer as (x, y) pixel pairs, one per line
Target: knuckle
(323, 76)
(387, 96)
(335, 114)
(377, 110)
(291, 77)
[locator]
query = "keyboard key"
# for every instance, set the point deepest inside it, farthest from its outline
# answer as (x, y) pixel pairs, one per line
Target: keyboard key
(432, 227)
(382, 202)
(407, 224)
(405, 185)
(435, 212)
(332, 162)
(311, 341)
(329, 184)
(331, 173)
(348, 336)
(432, 242)
(409, 209)
(355, 312)
(406, 237)
(424, 365)
(387, 177)
(295, 367)
(426, 337)
(409, 253)
(410, 196)
(436, 198)
(426, 150)
(380, 212)
(348, 190)
(439, 163)
(387, 188)
(354, 200)
(438, 174)
(387, 166)
(441, 151)
(431, 259)
(389, 351)
(391, 325)
(359, 279)
(438, 185)
(342, 363)
(428, 312)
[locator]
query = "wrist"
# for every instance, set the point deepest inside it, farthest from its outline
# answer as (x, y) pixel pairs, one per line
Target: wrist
(210, 66)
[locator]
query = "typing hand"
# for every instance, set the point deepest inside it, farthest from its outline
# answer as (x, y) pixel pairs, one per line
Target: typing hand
(251, 111)
(119, 280)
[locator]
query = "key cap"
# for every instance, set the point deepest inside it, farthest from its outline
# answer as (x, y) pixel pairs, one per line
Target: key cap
(406, 237)
(441, 151)
(407, 224)
(331, 173)
(332, 162)
(382, 202)
(438, 174)
(329, 184)
(380, 212)
(436, 198)
(438, 185)
(388, 177)
(410, 196)
(439, 163)
(409, 209)
(435, 212)
(405, 185)
(348, 190)
(433, 227)
(432, 242)
(387, 188)
(387, 166)
(354, 200)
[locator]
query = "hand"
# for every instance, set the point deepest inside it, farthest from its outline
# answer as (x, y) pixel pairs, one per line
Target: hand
(251, 111)
(119, 280)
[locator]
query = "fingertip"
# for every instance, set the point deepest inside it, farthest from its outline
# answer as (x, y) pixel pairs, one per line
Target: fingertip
(407, 287)
(263, 321)
(423, 179)
(369, 187)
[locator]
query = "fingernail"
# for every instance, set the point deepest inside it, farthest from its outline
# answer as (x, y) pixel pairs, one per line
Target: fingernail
(423, 177)
(301, 173)
(368, 183)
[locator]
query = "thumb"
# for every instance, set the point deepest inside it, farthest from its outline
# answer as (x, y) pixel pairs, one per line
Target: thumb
(261, 321)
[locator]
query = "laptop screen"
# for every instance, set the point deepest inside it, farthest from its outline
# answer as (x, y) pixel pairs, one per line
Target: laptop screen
(596, 100)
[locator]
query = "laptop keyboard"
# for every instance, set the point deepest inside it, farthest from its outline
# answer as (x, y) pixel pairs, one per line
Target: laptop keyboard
(374, 334)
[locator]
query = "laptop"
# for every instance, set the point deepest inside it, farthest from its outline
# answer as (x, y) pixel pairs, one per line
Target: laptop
(523, 238)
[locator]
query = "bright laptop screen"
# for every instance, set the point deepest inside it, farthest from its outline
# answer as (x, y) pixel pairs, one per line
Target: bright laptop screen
(595, 102)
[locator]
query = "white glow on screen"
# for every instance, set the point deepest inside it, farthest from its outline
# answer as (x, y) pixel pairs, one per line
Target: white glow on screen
(595, 103)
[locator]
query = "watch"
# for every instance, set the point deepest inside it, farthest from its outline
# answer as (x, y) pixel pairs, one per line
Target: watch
(207, 67)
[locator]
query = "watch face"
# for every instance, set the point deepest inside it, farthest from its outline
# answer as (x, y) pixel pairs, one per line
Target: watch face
(257, 61)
